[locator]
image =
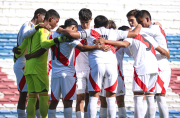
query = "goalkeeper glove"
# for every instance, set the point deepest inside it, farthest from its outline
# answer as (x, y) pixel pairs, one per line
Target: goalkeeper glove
(62, 39)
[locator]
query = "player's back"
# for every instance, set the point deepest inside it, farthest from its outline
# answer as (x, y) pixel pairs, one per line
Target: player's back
(65, 64)
(99, 56)
(142, 48)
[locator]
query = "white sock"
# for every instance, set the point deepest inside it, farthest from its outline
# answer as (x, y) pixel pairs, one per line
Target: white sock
(92, 107)
(85, 114)
(163, 108)
(145, 108)
(51, 113)
(138, 106)
(111, 106)
(122, 112)
(79, 114)
(103, 112)
(21, 113)
(37, 113)
(151, 106)
(68, 112)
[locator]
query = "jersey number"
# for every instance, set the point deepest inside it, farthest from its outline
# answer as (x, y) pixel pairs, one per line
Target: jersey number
(149, 47)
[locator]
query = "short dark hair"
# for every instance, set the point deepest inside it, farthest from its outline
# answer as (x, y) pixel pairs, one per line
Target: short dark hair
(132, 12)
(111, 24)
(69, 22)
(85, 14)
(100, 21)
(123, 27)
(143, 14)
(39, 11)
(51, 13)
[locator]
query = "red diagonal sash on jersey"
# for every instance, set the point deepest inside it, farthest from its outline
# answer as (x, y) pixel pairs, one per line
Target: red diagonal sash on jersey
(62, 58)
(113, 87)
(49, 67)
(140, 38)
(96, 35)
(78, 51)
(118, 48)
(139, 82)
(120, 72)
(162, 31)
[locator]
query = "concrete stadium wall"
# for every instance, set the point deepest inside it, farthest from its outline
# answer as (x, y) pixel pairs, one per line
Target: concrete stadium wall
(13, 13)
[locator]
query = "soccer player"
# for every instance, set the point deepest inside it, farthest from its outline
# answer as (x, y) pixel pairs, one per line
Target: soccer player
(143, 17)
(145, 69)
(103, 64)
(25, 32)
(63, 80)
(36, 68)
(102, 95)
(82, 67)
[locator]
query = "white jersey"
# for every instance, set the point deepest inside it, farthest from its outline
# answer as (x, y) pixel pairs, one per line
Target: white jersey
(120, 55)
(99, 56)
(159, 36)
(142, 48)
(65, 65)
(81, 61)
(24, 32)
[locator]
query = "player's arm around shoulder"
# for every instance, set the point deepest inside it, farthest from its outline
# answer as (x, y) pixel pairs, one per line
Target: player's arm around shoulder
(18, 51)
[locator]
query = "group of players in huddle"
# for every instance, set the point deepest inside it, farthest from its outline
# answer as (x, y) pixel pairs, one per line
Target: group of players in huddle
(87, 64)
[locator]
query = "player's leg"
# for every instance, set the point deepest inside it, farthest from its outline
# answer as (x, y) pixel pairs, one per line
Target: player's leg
(94, 87)
(161, 87)
(151, 106)
(41, 84)
(32, 96)
(22, 87)
(144, 105)
(138, 104)
(110, 85)
(86, 95)
(80, 89)
(102, 96)
(120, 97)
(37, 112)
(55, 96)
(68, 88)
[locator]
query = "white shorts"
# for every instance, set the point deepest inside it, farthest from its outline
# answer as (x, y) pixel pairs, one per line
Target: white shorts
(21, 81)
(120, 88)
(163, 80)
(103, 74)
(146, 83)
(82, 78)
(65, 86)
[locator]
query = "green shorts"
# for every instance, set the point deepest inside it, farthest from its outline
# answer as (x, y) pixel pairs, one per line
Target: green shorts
(37, 82)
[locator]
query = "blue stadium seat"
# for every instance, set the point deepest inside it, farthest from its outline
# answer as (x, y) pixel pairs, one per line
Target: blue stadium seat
(175, 53)
(8, 36)
(13, 40)
(8, 44)
(2, 117)
(172, 57)
(10, 116)
(127, 111)
(4, 40)
(59, 116)
(58, 111)
(173, 112)
(2, 48)
(173, 46)
(174, 49)
(10, 33)
(8, 47)
(14, 111)
(5, 112)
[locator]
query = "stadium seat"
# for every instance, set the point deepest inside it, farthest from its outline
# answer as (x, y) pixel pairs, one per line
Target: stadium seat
(5, 112)
(4, 40)
(173, 112)
(14, 111)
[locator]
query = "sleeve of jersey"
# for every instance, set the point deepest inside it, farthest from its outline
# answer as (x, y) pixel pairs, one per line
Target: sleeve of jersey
(44, 34)
(154, 43)
(27, 31)
(129, 40)
(75, 43)
(84, 33)
(121, 34)
(22, 47)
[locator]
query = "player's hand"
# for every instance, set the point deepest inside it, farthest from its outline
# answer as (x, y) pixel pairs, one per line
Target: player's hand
(59, 29)
(99, 41)
(157, 23)
(46, 26)
(27, 56)
(104, 47)
(16, 50)
(62, 38)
